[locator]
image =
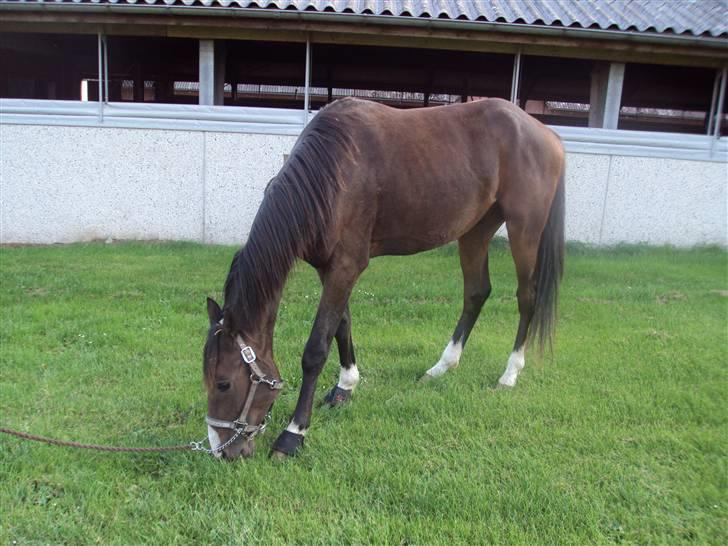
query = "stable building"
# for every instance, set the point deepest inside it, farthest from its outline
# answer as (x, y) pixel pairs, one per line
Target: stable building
(165, 119)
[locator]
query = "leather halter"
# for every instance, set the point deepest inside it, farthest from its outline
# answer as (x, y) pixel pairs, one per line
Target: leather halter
(240, 425)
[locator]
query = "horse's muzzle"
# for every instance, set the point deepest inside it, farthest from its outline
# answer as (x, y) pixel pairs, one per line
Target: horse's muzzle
(242, 448)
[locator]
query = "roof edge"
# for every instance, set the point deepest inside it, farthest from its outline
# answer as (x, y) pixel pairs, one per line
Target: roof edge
(720, 42)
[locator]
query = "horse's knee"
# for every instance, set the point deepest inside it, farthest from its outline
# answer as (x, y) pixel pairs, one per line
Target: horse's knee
(314, 356)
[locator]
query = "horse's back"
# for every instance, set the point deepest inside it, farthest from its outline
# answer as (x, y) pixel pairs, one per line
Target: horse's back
(424, 177)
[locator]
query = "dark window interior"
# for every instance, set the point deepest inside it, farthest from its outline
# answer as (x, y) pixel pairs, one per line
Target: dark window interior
(556, 90)
(667, 98)
(48, 66)
(272, 74)
(150, 69)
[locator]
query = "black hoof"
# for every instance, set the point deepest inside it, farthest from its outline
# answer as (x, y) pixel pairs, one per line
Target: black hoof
(288, 443)
(337, 396)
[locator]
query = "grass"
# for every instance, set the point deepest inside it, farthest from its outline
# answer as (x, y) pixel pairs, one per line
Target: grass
(619, 438)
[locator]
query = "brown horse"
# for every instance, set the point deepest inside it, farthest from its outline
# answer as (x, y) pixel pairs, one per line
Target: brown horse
(366, 180)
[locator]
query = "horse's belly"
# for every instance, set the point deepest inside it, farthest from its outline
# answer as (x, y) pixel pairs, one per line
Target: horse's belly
(403, 246)
(401, 230)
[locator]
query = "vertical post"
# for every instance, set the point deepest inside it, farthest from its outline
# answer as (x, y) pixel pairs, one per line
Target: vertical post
(606, 95)
(721, 101)
(106, 69)
(206, 95)
(306, 97)
(138, 83)
(596, 94)
(613, 100)
(219, 68)
(516, 80)
(101, 78)
(714, 100)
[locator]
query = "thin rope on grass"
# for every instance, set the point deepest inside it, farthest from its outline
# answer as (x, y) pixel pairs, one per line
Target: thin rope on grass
(78, 445)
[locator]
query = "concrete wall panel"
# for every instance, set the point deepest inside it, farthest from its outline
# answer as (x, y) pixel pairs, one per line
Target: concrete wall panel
(586, 189)
(65, 184)
(666, 201)
(238, 167)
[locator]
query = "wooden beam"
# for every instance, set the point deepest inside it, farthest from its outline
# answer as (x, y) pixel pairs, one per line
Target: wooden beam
(215, 27)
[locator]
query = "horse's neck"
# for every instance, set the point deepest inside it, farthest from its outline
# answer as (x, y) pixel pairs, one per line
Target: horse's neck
(262, 323)
(256, 280)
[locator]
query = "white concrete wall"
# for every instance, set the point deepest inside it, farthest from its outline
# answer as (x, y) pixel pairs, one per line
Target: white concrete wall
(64, 184)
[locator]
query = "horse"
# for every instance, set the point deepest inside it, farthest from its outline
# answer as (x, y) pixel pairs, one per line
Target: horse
(365, 180)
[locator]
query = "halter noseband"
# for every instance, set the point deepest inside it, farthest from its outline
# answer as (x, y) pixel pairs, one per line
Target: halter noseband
(240, 425)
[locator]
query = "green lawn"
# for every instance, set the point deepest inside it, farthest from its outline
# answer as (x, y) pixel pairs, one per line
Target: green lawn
(621, 437)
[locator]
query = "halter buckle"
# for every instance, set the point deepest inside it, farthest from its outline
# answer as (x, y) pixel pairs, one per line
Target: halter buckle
(248, 354)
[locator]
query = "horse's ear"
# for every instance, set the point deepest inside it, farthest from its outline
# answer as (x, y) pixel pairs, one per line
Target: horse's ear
(228, 322)
(214, 312)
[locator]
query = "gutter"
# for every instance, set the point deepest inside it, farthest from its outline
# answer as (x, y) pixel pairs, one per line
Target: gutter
(366, 19)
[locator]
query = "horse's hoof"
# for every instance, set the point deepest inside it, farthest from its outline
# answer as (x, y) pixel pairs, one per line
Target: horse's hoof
(426, 378)
(503, 387)
(287, 444)
(337, 397)
(278, 455)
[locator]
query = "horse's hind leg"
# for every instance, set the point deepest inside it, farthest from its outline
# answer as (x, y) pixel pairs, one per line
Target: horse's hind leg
(524, 247)
(473, 248)
(348, 373)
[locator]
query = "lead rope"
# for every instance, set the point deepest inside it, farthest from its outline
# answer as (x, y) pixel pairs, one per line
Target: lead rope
(193, 446)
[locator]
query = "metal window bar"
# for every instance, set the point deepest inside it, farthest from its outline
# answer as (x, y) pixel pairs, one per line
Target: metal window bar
(101, 77)
(106, 69)
(714, 100)
(515, 82)
(306, 97)
(721, 100)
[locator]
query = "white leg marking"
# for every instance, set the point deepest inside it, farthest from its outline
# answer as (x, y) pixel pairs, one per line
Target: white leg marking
(295, 429)
(516, 362)
(449, 359)
(348, 377)
(214, 439)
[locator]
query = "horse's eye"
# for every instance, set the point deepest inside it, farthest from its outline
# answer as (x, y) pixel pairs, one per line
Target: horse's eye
(222, 386)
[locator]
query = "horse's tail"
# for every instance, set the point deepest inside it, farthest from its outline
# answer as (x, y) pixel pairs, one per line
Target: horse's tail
(549, 270)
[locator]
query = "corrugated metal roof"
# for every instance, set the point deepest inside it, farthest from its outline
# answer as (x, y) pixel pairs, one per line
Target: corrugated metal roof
(697, 17)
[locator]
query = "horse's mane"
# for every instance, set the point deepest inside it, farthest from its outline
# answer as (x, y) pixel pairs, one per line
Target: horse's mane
(295, 213)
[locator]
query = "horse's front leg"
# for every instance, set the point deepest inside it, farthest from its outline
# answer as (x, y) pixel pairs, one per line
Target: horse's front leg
(338, 281)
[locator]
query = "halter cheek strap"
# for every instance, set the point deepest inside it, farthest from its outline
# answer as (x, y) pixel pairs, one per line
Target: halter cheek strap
(240, 425)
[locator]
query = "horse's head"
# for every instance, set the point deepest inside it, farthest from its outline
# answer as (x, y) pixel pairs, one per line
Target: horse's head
(241, 386)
